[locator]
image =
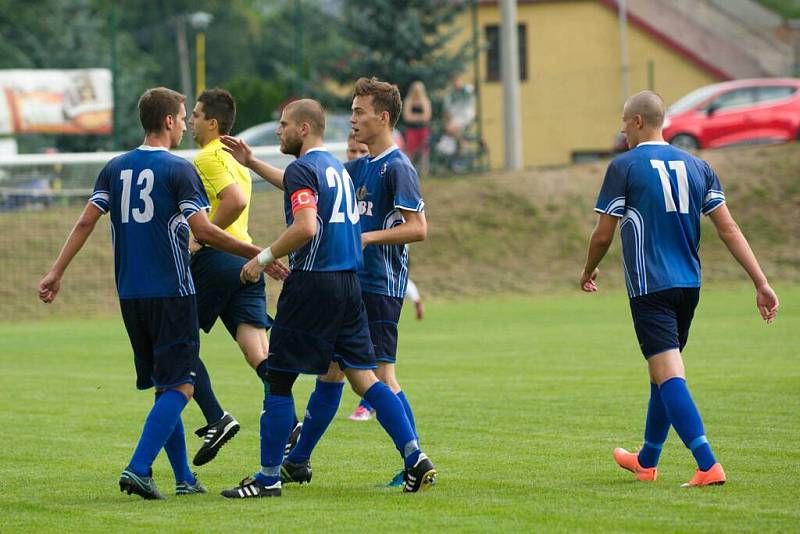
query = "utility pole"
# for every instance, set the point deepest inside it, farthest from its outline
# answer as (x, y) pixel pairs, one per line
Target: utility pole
(622, 10)
(509, 70)
(114, 82)
(183, 56)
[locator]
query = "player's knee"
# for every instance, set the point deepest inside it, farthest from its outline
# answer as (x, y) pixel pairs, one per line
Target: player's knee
(187, 390)
(280, 383)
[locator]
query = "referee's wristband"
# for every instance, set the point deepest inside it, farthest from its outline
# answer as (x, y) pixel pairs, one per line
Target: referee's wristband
(265, 256)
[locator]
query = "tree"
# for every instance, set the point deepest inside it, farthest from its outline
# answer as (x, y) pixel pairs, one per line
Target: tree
(401, 41)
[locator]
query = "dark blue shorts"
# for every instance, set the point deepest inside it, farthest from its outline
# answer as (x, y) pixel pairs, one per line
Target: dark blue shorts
(320, 318)
(220, 292)
(383, 314)
(165, 340)
(662, 319)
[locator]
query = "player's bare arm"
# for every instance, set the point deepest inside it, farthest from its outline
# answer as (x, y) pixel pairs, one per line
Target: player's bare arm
(232, 203)
(415, 228)
(730, 234)
(242, 152)
(51, 283)
(213, 235)
(298, 234)
(602, 236)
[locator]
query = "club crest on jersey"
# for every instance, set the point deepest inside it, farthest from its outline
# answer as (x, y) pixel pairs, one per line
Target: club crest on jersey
(383, 168)
(362, 193)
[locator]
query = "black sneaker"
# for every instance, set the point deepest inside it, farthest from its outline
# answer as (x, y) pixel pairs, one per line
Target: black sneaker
(293, 437)
(145, 487)
(420, 477)
(249, 487)
(299, 472)
(184, 488)
(216, 435)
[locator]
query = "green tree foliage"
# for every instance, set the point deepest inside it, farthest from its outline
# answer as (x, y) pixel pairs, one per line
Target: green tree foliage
(402, 41)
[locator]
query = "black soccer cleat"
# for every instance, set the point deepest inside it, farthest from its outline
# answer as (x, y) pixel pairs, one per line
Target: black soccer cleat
(184, 488)
(420, 477)
(299, 472)
(215, 436)
(293, 437)
(145, 487)
(250, 488)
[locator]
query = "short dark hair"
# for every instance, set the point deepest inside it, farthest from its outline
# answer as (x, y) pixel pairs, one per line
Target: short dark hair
(156, 104)
(308, 111)
(385, 96)
(219, 104)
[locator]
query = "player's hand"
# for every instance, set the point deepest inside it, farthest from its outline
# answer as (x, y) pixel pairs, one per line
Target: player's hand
(589, 280)
(767, 303)
(420, 310)
(48, 287)
(194, 245)
(236, 147)
(251, 271)
(277, 270)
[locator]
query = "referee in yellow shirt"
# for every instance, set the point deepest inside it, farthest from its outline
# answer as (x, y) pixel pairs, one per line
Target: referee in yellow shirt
(220, 293)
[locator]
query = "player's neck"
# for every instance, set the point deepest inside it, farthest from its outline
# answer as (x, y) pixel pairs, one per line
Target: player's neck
(309, 143)
(654, 136)
(158, 140)
(381, 143)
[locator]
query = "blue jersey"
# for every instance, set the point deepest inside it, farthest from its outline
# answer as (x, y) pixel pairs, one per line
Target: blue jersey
(150, 194)
(659, 191)
(318, 177)
(384, 185)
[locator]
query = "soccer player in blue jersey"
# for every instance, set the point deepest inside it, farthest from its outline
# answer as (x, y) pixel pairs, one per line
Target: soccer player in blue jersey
(320, 325)
(657, 193)
(242, 308)
(391, 214)
(154, 198)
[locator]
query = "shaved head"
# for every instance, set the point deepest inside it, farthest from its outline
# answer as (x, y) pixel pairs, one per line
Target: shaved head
(648, 105)
(308, 111)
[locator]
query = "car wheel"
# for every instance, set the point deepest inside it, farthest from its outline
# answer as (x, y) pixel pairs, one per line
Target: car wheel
(685, 142)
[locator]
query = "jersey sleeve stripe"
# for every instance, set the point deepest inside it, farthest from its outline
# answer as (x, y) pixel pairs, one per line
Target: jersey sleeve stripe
(616, 207)
(420, 207)
(102, 200)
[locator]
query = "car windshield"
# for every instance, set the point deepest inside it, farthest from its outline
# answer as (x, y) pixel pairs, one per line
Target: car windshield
(692, 99)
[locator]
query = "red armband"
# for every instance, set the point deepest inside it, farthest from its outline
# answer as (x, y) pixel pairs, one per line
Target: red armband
(303, 198)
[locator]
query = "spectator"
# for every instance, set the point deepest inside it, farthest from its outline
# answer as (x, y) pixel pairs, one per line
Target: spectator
(417, 118)
(459, 113)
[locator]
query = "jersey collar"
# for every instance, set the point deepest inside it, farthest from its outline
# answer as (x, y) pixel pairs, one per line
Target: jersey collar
(655, 143)
(152, 148)
(385, 153)
(317, 149)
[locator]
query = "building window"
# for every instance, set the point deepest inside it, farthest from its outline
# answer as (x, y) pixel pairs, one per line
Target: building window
(492, 34)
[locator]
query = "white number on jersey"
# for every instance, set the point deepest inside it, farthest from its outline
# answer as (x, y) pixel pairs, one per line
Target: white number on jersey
(335, 180)
(140, 216)
(683, 183)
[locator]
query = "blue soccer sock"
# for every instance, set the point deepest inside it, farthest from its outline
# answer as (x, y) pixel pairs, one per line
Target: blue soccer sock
(656, 429)
(364, 404)
(158, 427)
(392, 417)
(176, 452)
(686, 419)
(204, 395)
(409, 413)
(276, 425)
(322, 406)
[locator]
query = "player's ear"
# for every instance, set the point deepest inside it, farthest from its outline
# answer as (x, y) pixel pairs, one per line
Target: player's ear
(169, 122)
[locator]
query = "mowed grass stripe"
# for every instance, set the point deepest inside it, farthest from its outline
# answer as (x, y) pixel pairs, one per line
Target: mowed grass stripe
(519, 403)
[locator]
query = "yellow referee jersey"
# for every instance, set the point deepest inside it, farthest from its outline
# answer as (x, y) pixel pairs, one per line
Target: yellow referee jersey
(218, 170)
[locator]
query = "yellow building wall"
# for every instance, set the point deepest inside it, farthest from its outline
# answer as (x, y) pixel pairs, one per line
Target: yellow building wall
(572, 99)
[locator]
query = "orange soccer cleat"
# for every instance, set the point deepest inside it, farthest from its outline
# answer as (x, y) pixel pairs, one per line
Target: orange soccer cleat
(630, 461)
(715, 476)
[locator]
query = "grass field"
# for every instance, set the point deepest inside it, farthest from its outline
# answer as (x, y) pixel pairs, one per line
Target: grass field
(519, 403)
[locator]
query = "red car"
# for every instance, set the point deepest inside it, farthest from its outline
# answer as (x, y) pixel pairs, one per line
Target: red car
(736, 112)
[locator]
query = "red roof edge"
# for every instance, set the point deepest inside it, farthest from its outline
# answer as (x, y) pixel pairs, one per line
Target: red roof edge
(669, 41)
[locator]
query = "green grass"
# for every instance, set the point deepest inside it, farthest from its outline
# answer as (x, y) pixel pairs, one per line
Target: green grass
(519, 403)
